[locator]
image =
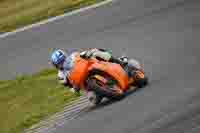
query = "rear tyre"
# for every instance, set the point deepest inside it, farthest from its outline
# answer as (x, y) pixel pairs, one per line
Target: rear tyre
(142, 82)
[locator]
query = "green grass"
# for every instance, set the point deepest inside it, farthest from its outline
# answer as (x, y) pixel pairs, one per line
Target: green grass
(28, 99)
(18, 13)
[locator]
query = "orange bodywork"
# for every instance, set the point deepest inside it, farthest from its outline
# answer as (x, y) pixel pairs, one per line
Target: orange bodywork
(81, 68)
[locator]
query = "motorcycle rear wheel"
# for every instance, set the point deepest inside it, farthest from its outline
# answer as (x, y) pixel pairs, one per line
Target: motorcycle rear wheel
(142, 82)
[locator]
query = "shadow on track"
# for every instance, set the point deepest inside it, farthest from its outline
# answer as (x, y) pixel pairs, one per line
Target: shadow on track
(106, 102)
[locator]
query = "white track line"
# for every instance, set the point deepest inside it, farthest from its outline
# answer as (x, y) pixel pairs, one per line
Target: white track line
(56, 18)
(52, 128)
(64, 116)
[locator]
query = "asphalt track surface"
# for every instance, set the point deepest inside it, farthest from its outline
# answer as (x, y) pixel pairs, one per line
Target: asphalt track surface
(162, 34)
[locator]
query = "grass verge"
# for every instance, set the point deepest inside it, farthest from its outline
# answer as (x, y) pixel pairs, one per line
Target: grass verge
(18, 13)
(27, 99)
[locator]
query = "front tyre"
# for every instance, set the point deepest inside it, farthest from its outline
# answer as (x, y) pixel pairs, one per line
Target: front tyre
(93, 98)
(102, 89)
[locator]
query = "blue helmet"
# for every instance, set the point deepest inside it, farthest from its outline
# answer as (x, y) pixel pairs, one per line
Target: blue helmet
(57, 57)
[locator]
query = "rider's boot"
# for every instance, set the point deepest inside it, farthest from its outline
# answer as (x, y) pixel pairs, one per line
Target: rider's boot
(118, 61)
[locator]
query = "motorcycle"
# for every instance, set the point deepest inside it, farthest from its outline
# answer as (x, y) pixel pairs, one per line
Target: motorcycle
(105, 79)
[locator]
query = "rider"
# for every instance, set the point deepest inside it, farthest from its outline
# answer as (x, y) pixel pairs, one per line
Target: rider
(64, 62)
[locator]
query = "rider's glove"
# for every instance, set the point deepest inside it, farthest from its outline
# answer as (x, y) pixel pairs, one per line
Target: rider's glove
(74, 90)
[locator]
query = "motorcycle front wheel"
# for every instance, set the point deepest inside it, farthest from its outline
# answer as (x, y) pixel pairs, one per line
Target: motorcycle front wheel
(103, 90)
(93, 98)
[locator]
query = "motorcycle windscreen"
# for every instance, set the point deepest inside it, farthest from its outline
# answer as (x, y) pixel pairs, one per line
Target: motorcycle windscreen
(79, 71)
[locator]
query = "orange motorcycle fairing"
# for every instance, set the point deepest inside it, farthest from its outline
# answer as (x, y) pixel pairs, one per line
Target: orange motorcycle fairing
(114, 70)
(79, 71)
(82, 67)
